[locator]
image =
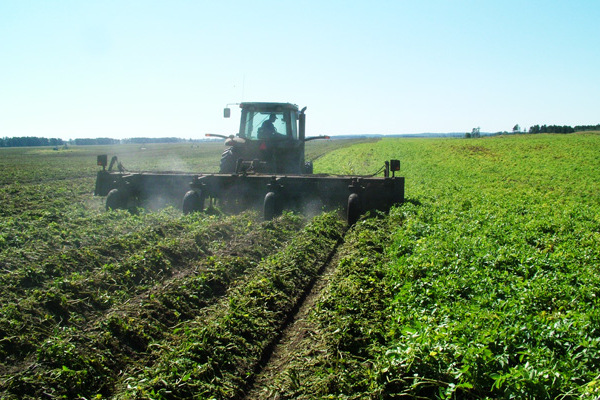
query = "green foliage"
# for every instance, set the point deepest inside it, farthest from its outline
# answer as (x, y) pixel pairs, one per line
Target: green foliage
(484, 284)
(492, 269)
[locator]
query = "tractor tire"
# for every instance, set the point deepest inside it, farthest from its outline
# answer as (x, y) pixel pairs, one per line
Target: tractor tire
(271, 208)
(193, 201)
(354, 209)
(116, 200)
(228, 162)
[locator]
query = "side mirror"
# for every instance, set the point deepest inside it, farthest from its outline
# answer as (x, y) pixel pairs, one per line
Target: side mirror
(227, 112)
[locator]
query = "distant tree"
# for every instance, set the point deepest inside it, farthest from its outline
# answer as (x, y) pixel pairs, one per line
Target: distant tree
(55, 142)
(107, 141)
(476, 132)
(552, 129)
(29, 141)
(581, 128)
(89, 142)
(145, 140)
(516, 128)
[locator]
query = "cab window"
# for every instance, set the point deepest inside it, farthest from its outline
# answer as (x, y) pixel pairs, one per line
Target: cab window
(257, 122)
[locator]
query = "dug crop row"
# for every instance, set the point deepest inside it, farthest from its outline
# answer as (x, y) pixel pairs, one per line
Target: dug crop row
(71, 332)
(216, 354)
(339, 345)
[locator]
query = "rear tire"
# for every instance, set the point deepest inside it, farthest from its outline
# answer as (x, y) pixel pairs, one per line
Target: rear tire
(193, 201)
(270, 206)
(354, 209)
(116, 200)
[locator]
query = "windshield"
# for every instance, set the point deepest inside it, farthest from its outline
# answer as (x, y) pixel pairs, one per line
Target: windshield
(259, 125)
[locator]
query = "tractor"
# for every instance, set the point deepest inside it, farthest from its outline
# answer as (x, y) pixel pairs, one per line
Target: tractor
(263, 166)
(270, 140)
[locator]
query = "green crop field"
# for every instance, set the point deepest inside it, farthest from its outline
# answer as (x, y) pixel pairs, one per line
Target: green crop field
(484, 284)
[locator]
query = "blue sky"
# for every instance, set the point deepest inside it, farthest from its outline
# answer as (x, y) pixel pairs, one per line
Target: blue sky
(75, 69)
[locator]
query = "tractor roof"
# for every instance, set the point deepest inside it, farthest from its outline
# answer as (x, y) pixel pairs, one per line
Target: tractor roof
(268, 107)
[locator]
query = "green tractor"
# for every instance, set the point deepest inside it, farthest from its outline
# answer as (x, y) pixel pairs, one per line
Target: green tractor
(270, 140)
(263, 166)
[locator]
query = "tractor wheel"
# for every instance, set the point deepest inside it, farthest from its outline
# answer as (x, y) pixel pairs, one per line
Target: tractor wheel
(193, 202)
(228, 162)
(270, 207)
(354, 209)
(116, 200)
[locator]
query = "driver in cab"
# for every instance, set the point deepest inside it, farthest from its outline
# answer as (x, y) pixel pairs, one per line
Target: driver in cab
(267, 129)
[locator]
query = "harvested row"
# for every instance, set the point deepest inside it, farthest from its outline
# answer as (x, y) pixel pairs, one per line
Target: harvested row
(335, 351)
(36, 201)
(217, 354)
(66, 287)
(75, 346)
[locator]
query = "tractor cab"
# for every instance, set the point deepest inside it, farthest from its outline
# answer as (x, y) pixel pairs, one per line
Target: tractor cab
(269, 121)
(270, 140)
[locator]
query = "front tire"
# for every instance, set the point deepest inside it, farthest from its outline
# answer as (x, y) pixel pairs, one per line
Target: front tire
(354, 209)
(271, 208)
(116, 200)
(193, 201)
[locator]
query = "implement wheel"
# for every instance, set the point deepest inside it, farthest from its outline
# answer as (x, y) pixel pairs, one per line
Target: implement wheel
(354, 209)
(271, 209)
(193, 201)
(116, 200)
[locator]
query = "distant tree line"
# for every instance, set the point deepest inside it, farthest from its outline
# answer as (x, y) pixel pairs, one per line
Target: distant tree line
(538, 129)
(30, 141)
(582, 128)
(40, 141)
(551, 129)
(88, 142)
(563, 128)
(142, 140)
